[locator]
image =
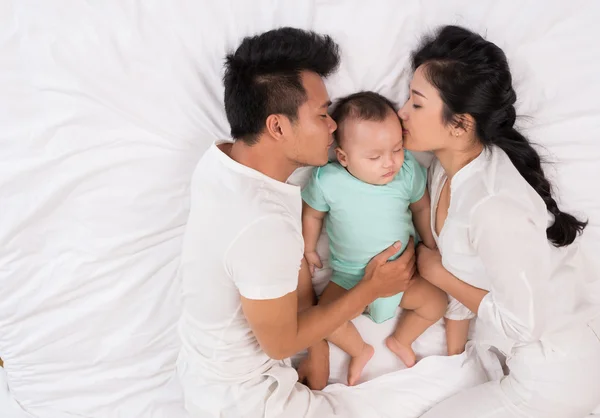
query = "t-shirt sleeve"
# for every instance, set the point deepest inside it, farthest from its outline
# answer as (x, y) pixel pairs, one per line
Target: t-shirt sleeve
(264, 260)
(313, 193)
(418, 178)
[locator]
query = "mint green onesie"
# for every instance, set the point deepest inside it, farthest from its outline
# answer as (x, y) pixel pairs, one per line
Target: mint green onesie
(364, 219)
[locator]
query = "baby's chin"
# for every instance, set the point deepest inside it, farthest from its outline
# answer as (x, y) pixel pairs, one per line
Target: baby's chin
(386, 180)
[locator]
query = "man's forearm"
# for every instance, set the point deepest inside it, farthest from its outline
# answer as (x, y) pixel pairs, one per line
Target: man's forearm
(282, 332)
(318, 322)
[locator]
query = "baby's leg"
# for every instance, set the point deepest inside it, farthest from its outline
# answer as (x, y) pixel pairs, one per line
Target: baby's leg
(423, 305)
(347, 337)
(457, 333)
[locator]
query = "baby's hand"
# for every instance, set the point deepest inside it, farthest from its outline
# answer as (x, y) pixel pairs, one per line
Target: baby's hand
(313, 260)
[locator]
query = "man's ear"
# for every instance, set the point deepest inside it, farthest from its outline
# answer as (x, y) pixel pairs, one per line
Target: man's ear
(278, 126)
(341, 156)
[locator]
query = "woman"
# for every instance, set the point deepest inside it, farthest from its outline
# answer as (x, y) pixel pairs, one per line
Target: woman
(506, 251)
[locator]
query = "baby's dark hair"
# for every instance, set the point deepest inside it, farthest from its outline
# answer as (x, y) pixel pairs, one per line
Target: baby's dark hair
(364, 105)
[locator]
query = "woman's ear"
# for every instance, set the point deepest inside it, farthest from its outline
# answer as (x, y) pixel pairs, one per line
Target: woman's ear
(463, 124)
(341, 156)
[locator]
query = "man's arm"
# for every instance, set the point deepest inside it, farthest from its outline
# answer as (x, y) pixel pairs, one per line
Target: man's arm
(282, 332)
(313, 371)
(306, 291)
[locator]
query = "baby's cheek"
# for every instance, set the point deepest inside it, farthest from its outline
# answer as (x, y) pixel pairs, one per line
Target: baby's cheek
(400, 160)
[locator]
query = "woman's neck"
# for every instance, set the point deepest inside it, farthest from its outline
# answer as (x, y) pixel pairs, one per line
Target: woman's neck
(454, 160)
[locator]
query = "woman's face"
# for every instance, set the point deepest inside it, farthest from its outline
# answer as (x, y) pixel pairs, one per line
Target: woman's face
(424, 129)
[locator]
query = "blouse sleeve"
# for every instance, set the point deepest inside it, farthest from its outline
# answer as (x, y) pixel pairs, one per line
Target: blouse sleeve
(511, 241)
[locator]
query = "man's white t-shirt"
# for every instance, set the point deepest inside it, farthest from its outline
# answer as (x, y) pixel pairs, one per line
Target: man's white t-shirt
(243, 238)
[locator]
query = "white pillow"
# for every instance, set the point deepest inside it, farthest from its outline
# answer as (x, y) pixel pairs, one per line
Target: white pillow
(105, 109)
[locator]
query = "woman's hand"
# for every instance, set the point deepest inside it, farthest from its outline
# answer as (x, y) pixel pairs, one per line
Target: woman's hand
(429, 265)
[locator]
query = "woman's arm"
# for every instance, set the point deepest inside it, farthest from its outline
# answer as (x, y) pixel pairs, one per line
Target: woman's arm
(512, 244)
(431, 268)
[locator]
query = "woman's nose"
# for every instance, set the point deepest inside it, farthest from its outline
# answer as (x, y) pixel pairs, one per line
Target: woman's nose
(402, 114)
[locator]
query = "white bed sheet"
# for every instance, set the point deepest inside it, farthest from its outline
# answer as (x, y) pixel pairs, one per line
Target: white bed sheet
(105, 107)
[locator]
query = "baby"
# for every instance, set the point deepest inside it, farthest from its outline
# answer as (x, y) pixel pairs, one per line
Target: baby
(374, 195)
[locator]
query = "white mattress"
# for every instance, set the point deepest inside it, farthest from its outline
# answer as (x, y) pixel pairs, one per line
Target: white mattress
(105, 108)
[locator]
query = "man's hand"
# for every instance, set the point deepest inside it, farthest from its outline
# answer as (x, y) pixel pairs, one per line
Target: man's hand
(387, 278)
(314, 369)
(313, 260)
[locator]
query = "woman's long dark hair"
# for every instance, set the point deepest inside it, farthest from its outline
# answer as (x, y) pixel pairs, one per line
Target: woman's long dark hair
(473, 77)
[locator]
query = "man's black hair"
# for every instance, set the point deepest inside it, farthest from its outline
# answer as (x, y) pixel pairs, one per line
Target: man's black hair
(262, 77)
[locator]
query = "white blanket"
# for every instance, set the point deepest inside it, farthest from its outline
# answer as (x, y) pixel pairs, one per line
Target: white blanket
(105, 107)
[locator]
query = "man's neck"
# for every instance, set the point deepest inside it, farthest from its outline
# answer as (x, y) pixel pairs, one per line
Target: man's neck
(263, 157)
(454, 160)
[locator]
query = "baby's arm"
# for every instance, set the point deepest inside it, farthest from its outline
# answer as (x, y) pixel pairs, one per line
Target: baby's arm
(421, 211)
(312, 222)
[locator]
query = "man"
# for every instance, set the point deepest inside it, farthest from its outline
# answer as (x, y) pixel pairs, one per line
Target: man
(247, 291)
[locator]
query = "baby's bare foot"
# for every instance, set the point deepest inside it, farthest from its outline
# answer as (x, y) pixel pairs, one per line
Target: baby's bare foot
(358, 363)
(406, 354)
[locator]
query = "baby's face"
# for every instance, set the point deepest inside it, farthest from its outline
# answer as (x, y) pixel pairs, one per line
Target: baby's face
(371, 151)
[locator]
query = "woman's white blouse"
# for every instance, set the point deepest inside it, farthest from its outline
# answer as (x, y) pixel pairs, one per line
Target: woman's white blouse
(494, 238)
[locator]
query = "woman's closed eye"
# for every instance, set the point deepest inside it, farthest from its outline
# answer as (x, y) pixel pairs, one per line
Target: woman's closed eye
(414, 105)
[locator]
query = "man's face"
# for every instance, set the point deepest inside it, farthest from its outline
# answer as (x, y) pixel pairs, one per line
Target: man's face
(312, 133)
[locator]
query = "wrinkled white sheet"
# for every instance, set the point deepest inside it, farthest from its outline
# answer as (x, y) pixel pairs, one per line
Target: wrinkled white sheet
(105, 107)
